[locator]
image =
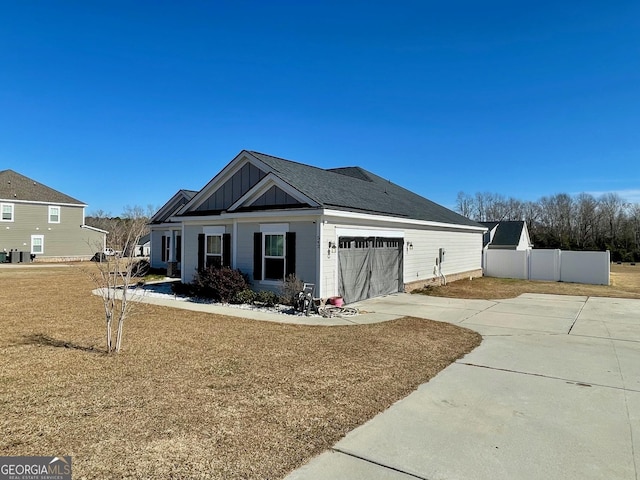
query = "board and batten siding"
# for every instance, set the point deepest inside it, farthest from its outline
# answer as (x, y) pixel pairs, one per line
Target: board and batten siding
(66, 239)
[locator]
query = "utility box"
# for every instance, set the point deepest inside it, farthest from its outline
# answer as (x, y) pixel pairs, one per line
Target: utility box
(14, 256)
(25, 257)
(3, 257)
(441, 252)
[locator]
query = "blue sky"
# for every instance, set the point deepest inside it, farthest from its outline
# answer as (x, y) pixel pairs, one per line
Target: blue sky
(124, 103)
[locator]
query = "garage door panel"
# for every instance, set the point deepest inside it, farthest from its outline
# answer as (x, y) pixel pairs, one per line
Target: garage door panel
(354, 272)
(369, 267)
(385, 265)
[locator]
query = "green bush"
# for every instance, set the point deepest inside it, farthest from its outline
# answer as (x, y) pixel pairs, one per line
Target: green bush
(244, 296)
(267, 298)
(220, 284)
(183, 289)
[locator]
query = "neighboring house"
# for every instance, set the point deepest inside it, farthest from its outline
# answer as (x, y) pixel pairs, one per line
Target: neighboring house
(507, 235)
(47, 224)
(166, 235)
(143, 249)
(347, 230)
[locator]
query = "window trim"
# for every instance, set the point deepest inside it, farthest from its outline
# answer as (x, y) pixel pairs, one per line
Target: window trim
(273, 229)
(277, 257)
(13, 211)
(166, 254)
(208, 255)
(41, 238)
(51, 207)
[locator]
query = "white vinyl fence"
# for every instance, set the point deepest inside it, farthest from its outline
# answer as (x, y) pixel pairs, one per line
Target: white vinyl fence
(551, 265)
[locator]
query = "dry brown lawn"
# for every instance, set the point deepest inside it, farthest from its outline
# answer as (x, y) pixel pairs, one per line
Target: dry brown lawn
(625, 283)
(193, 395)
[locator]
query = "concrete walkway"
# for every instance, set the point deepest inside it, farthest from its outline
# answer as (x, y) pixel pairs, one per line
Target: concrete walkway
(553, 392)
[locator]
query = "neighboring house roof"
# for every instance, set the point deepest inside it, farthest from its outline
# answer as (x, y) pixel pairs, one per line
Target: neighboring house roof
(145, 239)
(174, 204)
(507, 234)
(17, 187)
(95, 229)
(354, 189)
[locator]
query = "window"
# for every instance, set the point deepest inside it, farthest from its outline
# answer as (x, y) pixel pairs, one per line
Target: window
(273, 256)
(274, 252)
(213, 251)
(37, 244)
(163, 249)
(54, 214)
(6, 210)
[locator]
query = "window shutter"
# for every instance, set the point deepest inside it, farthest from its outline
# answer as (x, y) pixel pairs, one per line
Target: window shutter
(200, 251)
(163, 254)
(290, 254)
(226, 250)
(257, 256)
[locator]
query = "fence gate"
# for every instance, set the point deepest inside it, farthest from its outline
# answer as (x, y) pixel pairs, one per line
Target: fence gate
(369, 267)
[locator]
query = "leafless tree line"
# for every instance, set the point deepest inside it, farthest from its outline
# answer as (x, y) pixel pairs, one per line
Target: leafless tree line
(579, 222)
(120, 226)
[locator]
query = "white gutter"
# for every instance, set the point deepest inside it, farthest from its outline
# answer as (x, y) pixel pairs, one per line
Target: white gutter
(14, 200)
(409, 221)
(254, 214)
(327, 212)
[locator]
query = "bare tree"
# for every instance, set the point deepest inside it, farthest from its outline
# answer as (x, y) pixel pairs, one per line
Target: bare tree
(611, 207)
(114, 274)
(586, 220)
(564, 221)
(465, 205)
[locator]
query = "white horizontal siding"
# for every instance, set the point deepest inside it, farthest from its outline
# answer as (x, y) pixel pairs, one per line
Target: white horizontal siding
(463, 251)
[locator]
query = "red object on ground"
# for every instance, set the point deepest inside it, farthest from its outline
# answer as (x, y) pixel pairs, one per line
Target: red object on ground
(337, 301)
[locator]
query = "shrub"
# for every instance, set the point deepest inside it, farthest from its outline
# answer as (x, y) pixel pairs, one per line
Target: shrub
(290, 289)
(220, 284)
(244, 296)
(183, 289)
(267, 298)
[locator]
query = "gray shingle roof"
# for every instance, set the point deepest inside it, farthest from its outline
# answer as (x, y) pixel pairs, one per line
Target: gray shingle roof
(356, 189)
(174, 204)
(508, 232)
(14, 186)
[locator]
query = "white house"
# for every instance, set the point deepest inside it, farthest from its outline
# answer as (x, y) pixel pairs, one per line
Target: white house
(347, 230)
(166, 235)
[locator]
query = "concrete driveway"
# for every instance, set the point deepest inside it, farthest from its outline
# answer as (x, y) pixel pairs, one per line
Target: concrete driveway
(553, 392)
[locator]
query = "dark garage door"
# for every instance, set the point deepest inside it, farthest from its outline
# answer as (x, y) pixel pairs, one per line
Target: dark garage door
(369, 267)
